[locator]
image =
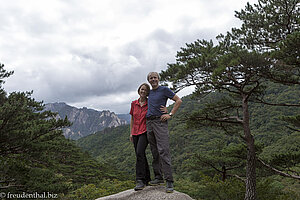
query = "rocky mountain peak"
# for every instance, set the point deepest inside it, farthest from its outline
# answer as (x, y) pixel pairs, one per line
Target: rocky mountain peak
(85, 121)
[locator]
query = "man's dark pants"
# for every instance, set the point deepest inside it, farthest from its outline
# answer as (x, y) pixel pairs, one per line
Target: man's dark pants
(142, 168)
(158, 137)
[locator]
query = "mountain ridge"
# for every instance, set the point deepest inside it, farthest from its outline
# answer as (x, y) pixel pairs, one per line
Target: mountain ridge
(85, 121)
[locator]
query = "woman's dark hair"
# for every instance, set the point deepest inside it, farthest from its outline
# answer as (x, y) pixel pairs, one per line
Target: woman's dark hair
(147, 87)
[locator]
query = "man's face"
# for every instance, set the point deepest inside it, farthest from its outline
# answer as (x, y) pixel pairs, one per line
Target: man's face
(153, 80)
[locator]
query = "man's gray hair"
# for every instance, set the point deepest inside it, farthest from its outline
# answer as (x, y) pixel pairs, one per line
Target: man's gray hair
(153, 73)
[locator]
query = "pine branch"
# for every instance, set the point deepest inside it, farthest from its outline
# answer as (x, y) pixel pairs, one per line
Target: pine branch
(293, 129)
(286, 82)
(278, 171)
(9, 186)
(277, 104)
(235, 167)
(227, 120)
(209, 164)
(237, 176)
(231, 117)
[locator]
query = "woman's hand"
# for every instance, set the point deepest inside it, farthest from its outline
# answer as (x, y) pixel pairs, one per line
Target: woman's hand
(130, 137)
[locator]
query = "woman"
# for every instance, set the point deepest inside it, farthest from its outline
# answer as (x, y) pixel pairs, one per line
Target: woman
(138, 135)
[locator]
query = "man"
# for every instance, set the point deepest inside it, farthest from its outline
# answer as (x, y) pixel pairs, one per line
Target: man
(157, 130)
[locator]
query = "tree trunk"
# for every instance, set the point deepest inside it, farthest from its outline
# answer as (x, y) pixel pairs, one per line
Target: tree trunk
(251, 156)
(223, 173)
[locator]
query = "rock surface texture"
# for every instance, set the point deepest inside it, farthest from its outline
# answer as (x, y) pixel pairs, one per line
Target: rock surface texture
(148, 193)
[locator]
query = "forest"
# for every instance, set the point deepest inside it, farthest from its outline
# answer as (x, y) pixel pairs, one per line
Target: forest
(36, 158)
(209, 163)
(236, 137)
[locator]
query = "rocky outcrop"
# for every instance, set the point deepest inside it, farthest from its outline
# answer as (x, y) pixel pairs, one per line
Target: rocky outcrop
(149, 193)
(84, 121)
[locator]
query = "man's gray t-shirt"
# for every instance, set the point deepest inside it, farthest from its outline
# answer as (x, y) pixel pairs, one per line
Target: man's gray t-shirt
(157, 98)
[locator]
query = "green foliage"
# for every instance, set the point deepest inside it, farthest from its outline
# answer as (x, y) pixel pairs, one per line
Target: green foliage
(189, 144)
(223, 160)
(212, 188)
(207, 187)
(284, 153)
(193, 189)
(294, 122)
(234, 72)
(4, 74)
(86, 192)
(25, 133)
(183, 73)
(271, 188)
(104, 188)
(268, 22)
(272, 27)
(36, 157)
(234, 80)
(289, 49)
(240, 67)
(112, 146)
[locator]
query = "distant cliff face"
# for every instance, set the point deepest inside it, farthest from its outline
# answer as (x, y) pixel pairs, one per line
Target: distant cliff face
(85, 121)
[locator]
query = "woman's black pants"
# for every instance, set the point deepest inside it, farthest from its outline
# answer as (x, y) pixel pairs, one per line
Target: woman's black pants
(142, 168)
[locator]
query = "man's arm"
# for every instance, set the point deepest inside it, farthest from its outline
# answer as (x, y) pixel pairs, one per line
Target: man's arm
(177, 104)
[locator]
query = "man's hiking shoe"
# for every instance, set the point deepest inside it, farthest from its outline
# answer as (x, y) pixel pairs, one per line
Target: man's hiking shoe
(139, 185)
(169, 187)
(156, 182)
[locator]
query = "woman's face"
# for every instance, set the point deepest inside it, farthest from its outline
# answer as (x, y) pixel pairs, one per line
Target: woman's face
(143, 91)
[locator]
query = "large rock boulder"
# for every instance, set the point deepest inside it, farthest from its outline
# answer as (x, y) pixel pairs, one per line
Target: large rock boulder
(148, 193)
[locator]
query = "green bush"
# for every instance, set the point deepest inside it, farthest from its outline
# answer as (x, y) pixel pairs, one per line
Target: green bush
(104, 188)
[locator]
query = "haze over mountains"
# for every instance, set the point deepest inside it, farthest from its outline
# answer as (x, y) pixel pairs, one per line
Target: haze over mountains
(86, 121)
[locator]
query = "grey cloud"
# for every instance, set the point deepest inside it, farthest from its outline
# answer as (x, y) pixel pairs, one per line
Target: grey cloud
(59, 62)
(138, 7)
(95, 75)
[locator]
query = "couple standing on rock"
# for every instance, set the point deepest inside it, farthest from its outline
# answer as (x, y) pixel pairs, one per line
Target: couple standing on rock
(149, 124)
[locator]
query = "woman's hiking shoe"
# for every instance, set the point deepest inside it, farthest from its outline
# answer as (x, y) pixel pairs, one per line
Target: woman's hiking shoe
(139, 185)
(156, 182)
(169, 187)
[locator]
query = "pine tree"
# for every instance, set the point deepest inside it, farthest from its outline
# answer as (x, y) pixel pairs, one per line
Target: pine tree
(25, 130)
(265, 48)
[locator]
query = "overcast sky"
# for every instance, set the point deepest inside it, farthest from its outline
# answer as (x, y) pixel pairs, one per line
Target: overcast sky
(95, 53)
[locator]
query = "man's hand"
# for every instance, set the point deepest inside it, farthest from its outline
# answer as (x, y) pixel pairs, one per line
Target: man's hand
(163, 109)
(165, 117)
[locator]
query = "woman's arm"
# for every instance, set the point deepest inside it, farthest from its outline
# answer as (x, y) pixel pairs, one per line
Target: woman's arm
(131, 125)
